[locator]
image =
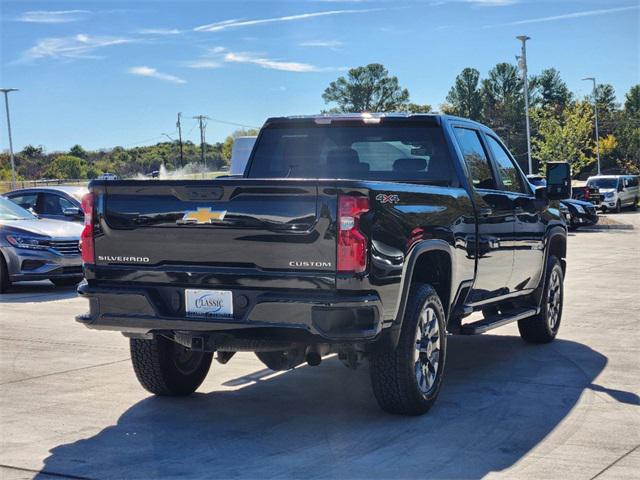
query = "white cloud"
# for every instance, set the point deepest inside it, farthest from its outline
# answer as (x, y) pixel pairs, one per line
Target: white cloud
(55, 16)
(159, 31)
(322, 43)
(144, 71)
(78, 46)
(567, 16)
(236, 23)
(217, 55)
(269, 63)
(203, 64)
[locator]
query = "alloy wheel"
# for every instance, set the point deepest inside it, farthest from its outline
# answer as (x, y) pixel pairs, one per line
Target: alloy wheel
(554, 300)
(427, 350)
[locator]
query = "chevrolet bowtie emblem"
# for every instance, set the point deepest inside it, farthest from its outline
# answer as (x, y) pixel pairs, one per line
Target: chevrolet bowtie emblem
(202, 216)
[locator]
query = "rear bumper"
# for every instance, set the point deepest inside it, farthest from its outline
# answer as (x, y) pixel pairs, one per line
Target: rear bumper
(330, 316)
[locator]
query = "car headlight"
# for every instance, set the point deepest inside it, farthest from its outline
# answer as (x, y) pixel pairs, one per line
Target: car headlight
(579, 208)
(32, 243)
(608, 195)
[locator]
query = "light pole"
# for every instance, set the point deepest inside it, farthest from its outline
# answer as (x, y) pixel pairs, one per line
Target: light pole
(595, 107)
(522, 63)
(13, 164)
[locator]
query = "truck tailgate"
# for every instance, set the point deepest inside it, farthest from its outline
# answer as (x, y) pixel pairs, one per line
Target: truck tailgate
(275, 225)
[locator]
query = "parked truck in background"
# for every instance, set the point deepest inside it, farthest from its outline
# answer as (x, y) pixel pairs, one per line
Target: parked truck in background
(370, 236)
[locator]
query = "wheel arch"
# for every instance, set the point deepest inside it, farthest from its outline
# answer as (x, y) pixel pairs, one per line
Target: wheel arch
(441, 278)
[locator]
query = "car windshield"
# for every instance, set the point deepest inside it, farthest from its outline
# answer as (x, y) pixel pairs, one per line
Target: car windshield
(398, 152)
(11, 211)
(603, 182)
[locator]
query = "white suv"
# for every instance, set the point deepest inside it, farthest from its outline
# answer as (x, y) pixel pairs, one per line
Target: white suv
(617, 191)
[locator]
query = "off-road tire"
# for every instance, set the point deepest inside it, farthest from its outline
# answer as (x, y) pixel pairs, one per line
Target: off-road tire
(542, 328)
(393, 372)
(5, 282)
(281, 360)
(66, 282)
(156, 363)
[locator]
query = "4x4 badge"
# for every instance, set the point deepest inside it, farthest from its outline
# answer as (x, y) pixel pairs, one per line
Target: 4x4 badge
(387, 198)
(202, 216)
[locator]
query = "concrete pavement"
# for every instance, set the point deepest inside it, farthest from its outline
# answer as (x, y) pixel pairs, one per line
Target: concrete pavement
(70, 404)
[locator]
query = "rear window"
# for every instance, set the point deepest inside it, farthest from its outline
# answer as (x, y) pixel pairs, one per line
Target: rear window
(399, 152)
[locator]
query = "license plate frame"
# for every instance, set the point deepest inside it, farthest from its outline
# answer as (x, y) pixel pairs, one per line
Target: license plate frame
(208, 303)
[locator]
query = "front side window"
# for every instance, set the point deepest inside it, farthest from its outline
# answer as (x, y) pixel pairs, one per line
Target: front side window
(511, 179)
(53, 204)
(393, 152)
(475, 157)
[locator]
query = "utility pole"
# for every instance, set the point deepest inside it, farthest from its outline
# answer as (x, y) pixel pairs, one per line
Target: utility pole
(595, 107)
(179, 125)
(203, 125)
(13, 163)
(522, 63)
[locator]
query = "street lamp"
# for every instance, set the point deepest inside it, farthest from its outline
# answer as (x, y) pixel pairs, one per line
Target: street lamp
(595, 107)
(522, 63)
(13, 164)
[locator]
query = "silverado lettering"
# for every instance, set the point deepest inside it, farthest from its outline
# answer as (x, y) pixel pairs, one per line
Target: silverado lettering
(388, 280)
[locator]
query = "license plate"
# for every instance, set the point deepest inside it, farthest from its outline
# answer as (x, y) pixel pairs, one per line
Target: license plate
(209, 303)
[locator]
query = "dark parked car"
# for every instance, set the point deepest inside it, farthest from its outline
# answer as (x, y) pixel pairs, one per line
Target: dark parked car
(581, 213)
(587, 193)
(54, 202)
(33, 248)
(369, 236)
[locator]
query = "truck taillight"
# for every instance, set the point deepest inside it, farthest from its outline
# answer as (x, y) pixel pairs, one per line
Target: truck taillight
(352, 244)
(86, 238)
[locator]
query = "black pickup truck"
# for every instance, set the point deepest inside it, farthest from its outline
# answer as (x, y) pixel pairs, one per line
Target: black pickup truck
(366, 236)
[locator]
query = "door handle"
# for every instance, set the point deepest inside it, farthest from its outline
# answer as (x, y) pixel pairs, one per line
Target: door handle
(485, 212)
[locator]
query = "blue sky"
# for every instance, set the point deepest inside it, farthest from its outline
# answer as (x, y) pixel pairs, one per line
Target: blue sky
(106, 73)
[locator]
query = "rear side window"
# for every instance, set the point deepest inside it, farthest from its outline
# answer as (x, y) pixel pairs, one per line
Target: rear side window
(27, 201)
(396, 152)
(511, 179)
(475, 158)
(54, 204)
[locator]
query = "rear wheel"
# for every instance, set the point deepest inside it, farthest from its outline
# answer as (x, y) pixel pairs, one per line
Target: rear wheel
(407, 380)
(165, 367)
(66, 282)
(5, 283)
(544, 327)
(634, 207)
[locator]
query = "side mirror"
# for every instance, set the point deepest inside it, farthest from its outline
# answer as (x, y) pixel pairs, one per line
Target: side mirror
(558, 180)
(621, 187)
(71, 212)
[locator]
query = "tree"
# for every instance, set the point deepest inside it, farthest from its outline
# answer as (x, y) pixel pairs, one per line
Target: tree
(564, 138)
(503, 107)
(464, 98)
(78, 151)
(632, 102)
(417, 108)
(66, 166)
(366, 89)
(550, 91)
(606, 98)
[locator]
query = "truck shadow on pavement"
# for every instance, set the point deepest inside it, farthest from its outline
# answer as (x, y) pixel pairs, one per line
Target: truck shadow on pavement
(499, 400)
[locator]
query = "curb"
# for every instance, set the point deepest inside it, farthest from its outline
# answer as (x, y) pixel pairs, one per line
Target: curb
(622, 226)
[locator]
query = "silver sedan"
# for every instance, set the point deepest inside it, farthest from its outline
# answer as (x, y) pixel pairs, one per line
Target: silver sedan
(32, 248)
